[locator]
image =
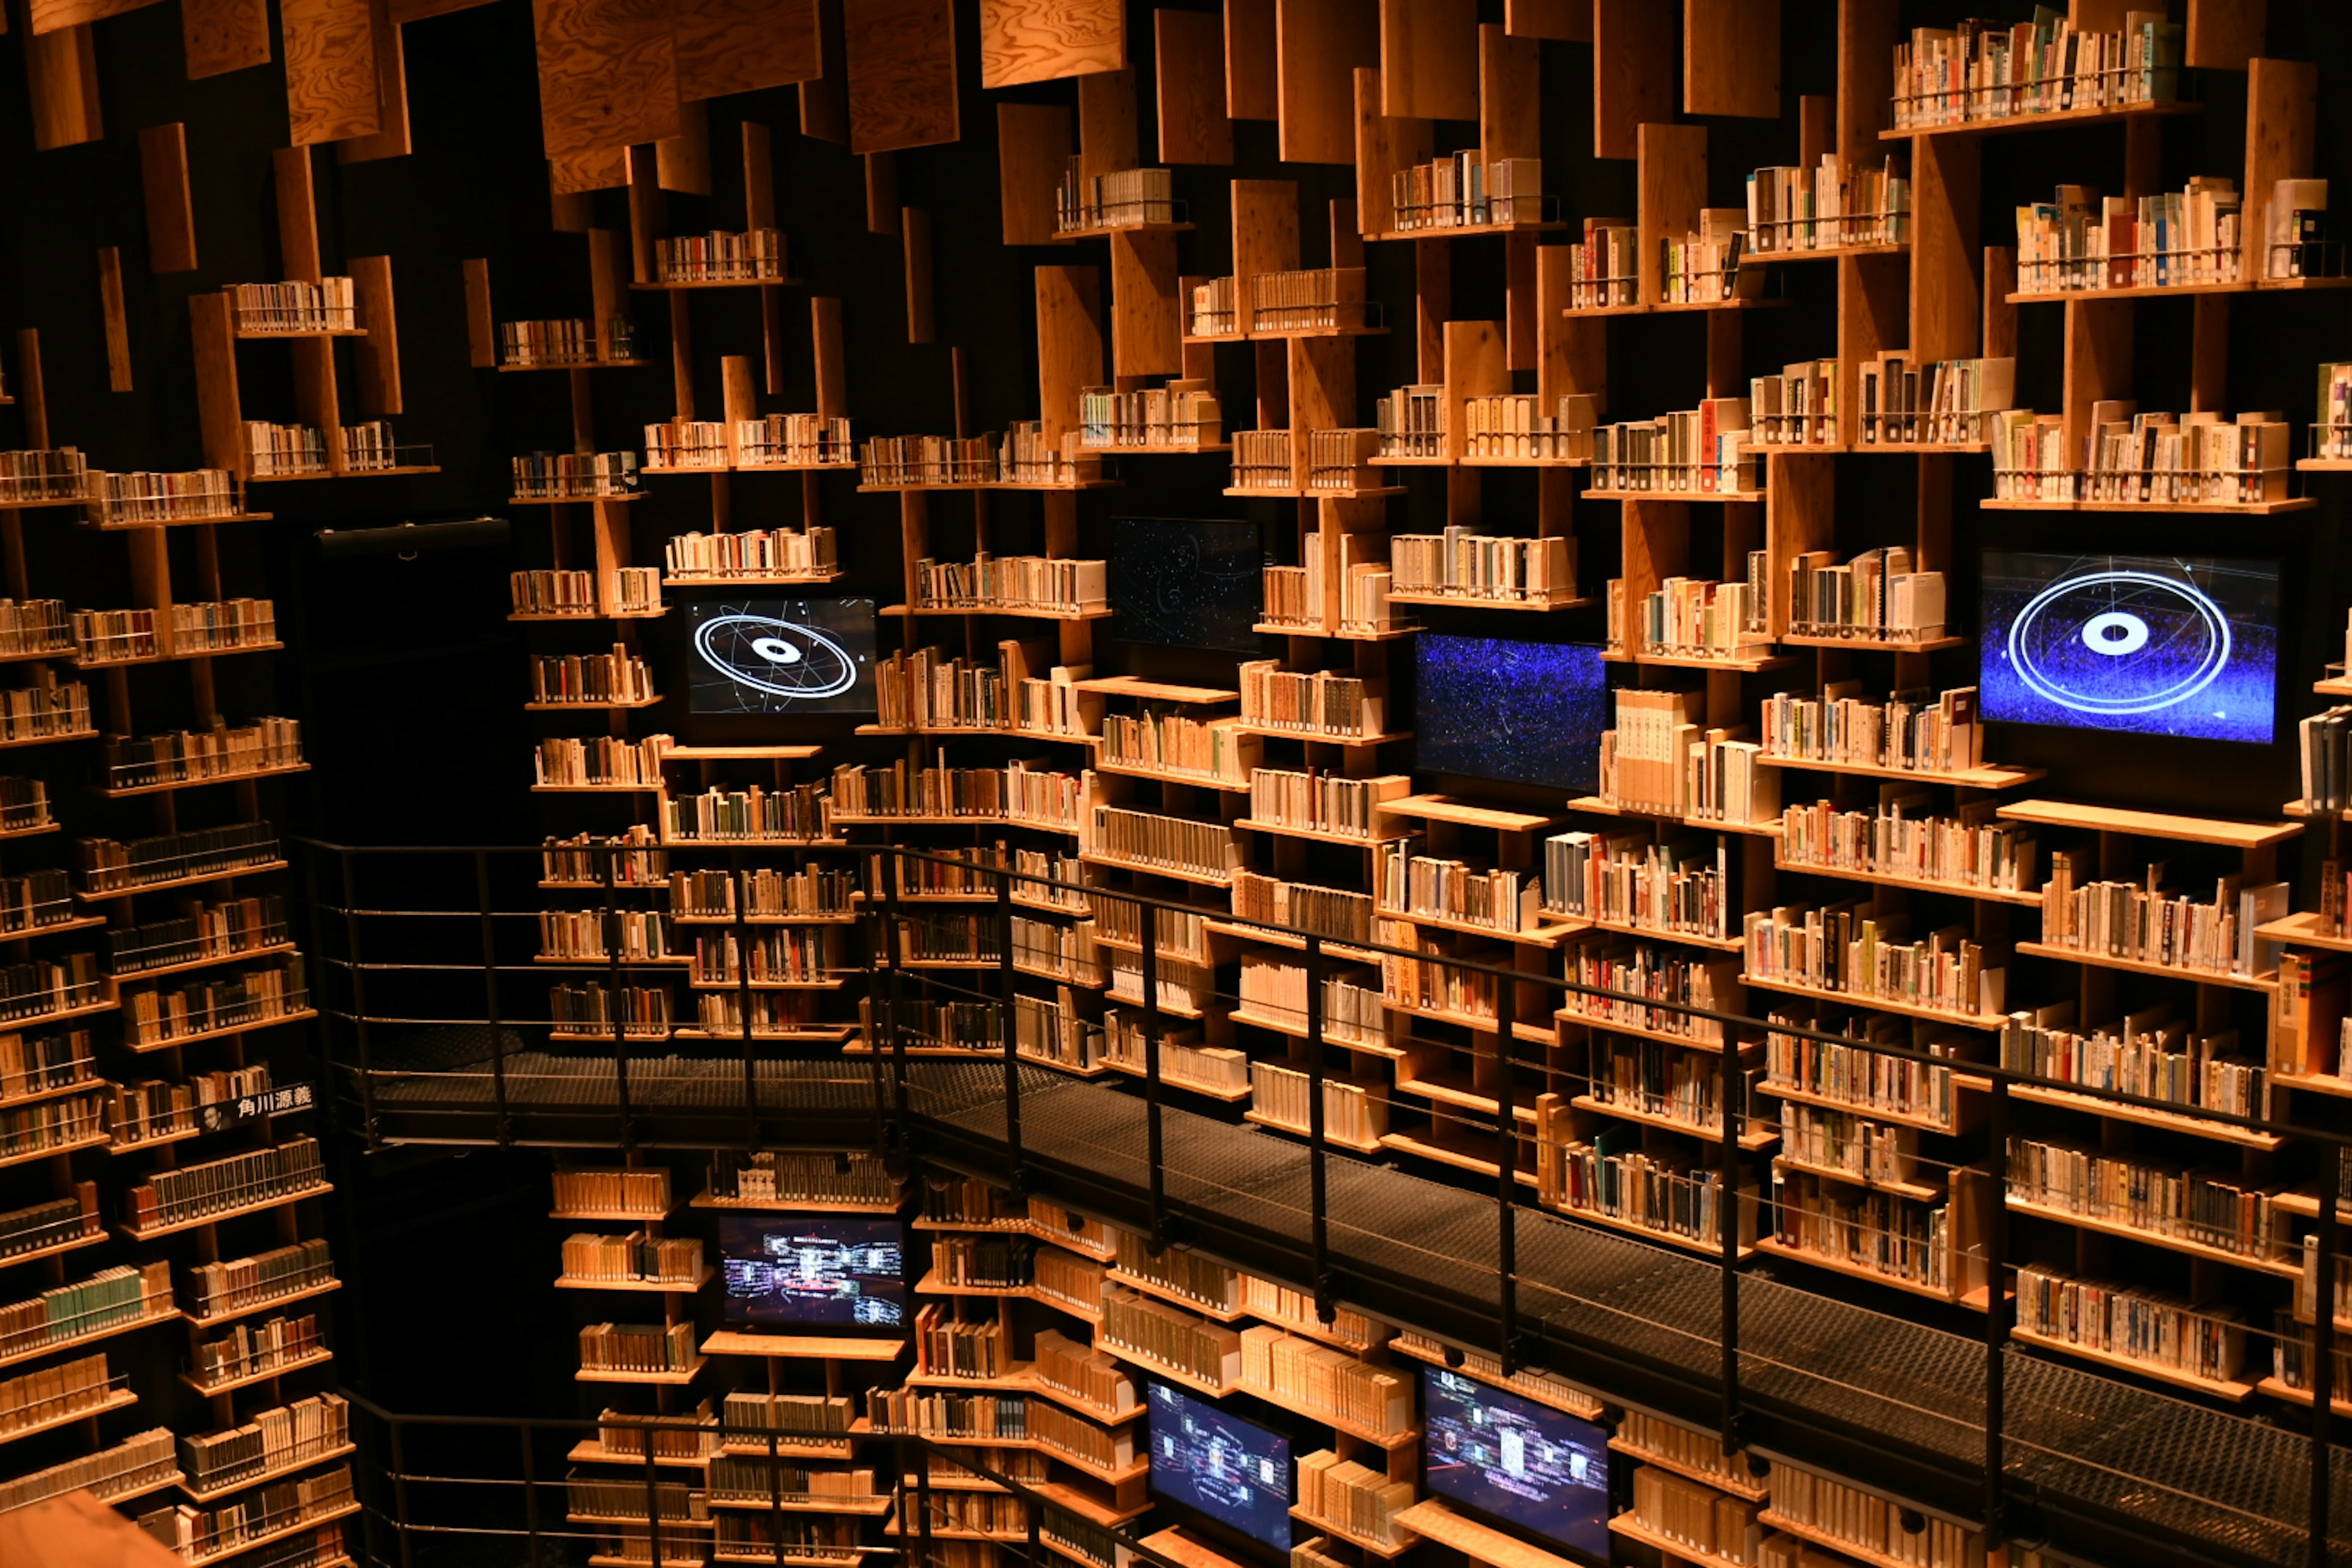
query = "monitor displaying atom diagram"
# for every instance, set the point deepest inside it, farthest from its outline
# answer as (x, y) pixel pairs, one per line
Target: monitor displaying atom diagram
(781, 656)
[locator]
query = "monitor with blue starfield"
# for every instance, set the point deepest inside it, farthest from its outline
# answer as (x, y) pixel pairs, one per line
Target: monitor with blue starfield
(1236, 1472)
(786, 1271)
(1518, 1462)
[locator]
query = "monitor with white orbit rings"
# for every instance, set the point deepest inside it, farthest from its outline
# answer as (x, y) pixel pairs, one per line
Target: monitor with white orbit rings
(780, 655)
(2175, 645)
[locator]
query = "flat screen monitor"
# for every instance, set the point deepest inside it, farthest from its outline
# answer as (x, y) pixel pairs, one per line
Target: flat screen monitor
(1187, 583)
(1235, 1471)
(1520, 1462)
(1520, 712)
(2171, 644)
(792, 1271)
(780, 655)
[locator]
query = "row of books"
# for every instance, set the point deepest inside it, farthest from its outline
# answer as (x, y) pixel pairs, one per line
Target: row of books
(1904, 839)
(638, 1258)
(1878, 596)
(567, 341)
(579, 861)
(1707, 450)
(132, 500)
(199, 1535)
(1317, 802)
(755, 255)
(1306, 907)
(575, 476)
(136, 1464)
(796, 955)
(263, 746)
(1685, 617)
(1438, 888)
(637, 1347)
(238, 1284)
(1483, 568)
(2148, 1053)
(1123, 198)
(54, 1394)
(330, 305)
(1714, 1525)
(268, 1440)
(1601, 273)
(1204, 850)
(630, 591)
(754, 553)
(1319, 1379)
(1625, 879)
(30, 990)
(2050, 64)
(1832, 206)
(568, 762)
(50, 1222)
(591, 679)
(25, 806)
(1313, 298)
(1319, 702)
(227, 1185)
(1913, 732)
(792, 815)
(1947, 402)
(1207, 1352)
(37, 1063)
(2080, 241)
(1183, 416)
(44, 710)
(1641, 986)
(1702, 265)
(1353, 1013)
(793, 441)
(1862, 1079)
(1469, 190)
(1869, 1151)
(154, 1110)
(1077, 1369)
(173, 856)
(946, 1346)
(589, 1012)
(1013, 582)
(1169, 744)
(1663, 1082)
(1871, 1230)
(1609, 1176)
(2205, 1207)
(812, 891)
(2156, 1327)
(43, 473)
(54, 1125)
(1875, 1524)
(33, 627)
(2146, 923)
(1354, 1114)
(2146, 460)
(1850, 948)
(87, 1308)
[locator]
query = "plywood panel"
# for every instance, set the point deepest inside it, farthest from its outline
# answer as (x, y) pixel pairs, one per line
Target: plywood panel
(375, 358)
(915, 225)
(1108, 138)
(61, 73)
(608, 290)
(1510, 118)
(1572, 352)
(1731, 58)
(1319, 45)
(1251, 88)
(881, 193)
(1632, 72)
(1673, 187)
(2224, 34)
(116, 319)
(298, 214)
(53, 15)
(601, 169)
(331, 89)
(825, 98)
(832, 365)
(163, 182)
(223, 36)
(391, 95)
(1044, 40)
(1266, 230)
(1945, 252)
(1146, 321)
(2282, 130)
(568, 212)
(607, 73)
(1569, 21)
(403, 11)
(1188, 71)
(743, 46)
(902, 78)
(1429, 60)
(1069, 344)
(1383, 146)
(1033, 149)
(211, 320)
(481, 326)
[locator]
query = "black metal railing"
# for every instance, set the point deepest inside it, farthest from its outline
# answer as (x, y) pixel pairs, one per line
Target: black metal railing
(2020, 1444)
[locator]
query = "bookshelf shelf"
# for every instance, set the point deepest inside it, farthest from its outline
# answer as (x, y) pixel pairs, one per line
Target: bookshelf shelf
(1749, 1488)
(1830, 252)
(1983, 777)
(2229, 1389)
(209, 960)
(9, 833)
(390, 471)
(34, 1020)
(676, 1379)
(690, 284)
(1173, 775)
(1456, 1090)
(1750, 664)
(2313, 1083)
(618, 1217)
(1176, 873)
(773, 580)
(260, 1206)
(2105, 114)
(1463, 1149)
(804, 1502)
(2285, 1268)
(1315, 835)
(1754, 1139)
(116, 1399)
(1925, 884)
(295, 335)
(1866, 1003)
(1364, 1544)
(90, 1237)
(1433, 1520)
(222, 1034)
(1328, 634)
(263, 1477)
(1545, 936)
(601, 705)
(1175, 1375)
(1466, 231)
(647, 1287)
(581, 498)
(1646, 1233)
(1874, 645)
(1009, 612)
(1367, 1145)
(2211, 508)
(234, 1314)
(1975, 1300)
(1640, 1032)
(309, 1522)
(1600, 806)
(787, 1205)
(803, 1347)
(49, 739)
(2232, 835)
(2137, 291)
(593, 1452)
(1630, 1526)
(1653, 933)
(2265, 982)
(124, 792)
(1923, 1191)
(1534, 1034)
(177, 656)
(2175, 1121)
(319, 1357)
(1322, 738)
(1733, 496)
(576, 364)
(1921, 1120)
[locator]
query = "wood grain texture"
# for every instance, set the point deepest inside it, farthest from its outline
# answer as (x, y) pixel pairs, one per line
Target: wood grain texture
(608, 283)
(1429, 60)
(164, 185)
(1069, 344)
(648, 213)
(2282, 133)
(881, 193)
(1567, 21)
(1510, 108)
(77, 1531)
(901, 60)
(2224, 34)
(1946, 250)
(54, 15)
(375, 358)
(61, 75)
(1672, 181)
(116, 317)
(602, 169)
(298, 214)
(1519, 300)
(1999, 315)
(744, 46)
(1266, 230)
(1632, 72)
(682, 163)
(1046, 40)
(1146, 318)
(404, 11)
(1033, 148)
(1866, 31)
(1572, 352)
(213, 334)
(759, 176)
(1383, 146)
(1433, 306)
(224, 36)
(1108, 138)
(825, 98)
(832, 363)
(607, 73)
(1873, 309)
(391, 95)
(923, 323)
(1322, 376)
(481, 325)
(331, 91)
(1189, 87)
(1319, 45)
(1731, 58)
(1251, 85)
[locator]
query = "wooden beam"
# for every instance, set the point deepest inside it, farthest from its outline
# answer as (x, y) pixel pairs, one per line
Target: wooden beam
(902, 73)
(391, 95)
(607, 74)
(117, 319)
(171, 211)
(1429, 60)
(375, 358)
(297, 215)
(825, 98)
(224, 36)
(1252, 90)
(61, 75)
(1108, 142)
(1318, 47)
(1189, 87)
(915, 225)
(1033, 151)
(881, 193)
(1632, 73)
(682, 161)
(1567, 21)
(1044, 40)
(832, 365)
(1731, 58)
(481, 326)
(331, 73)
(1069, 344)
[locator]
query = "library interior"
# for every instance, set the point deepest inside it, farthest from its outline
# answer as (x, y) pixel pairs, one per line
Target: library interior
(1272, 784)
